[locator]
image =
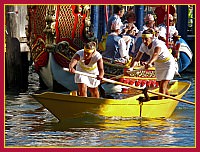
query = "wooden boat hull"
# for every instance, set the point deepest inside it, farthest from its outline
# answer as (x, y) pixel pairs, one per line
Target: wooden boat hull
(65, 106)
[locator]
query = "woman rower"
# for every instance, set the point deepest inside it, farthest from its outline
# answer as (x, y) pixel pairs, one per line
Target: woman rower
(90, 61)
(161, 57)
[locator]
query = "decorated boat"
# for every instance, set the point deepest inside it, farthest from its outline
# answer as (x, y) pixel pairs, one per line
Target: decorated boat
(129, 105)
(56, 32)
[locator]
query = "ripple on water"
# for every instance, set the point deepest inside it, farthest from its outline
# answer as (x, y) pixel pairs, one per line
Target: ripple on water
(27, 123)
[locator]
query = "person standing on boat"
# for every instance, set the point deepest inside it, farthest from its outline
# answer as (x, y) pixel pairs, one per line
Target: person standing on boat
(159, 56)
(88, 60)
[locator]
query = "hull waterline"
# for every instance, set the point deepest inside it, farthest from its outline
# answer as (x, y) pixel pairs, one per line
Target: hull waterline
(65, 106)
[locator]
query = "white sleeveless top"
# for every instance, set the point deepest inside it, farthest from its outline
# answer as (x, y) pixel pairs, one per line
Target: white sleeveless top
(89, 68)
(165, 64)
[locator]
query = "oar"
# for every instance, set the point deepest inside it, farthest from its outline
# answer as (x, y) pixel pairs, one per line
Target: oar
(115, 77)
(136, 69)
(131, 86)
(104, 79)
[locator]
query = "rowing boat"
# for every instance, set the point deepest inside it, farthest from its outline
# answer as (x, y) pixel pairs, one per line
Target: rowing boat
(64, 106)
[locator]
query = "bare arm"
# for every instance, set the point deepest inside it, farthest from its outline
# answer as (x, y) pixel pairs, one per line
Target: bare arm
(137, 58)
(100, 68)
(73, 62)
(154, 57)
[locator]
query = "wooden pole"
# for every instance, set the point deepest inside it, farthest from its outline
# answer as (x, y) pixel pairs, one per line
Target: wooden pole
(12, 51)
(131, 86)
(16, 63)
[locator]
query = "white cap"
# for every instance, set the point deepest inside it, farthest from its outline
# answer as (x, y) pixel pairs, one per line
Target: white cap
(115, 25)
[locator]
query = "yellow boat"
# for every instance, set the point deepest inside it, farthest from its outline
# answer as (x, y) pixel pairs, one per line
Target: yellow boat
(64, 106)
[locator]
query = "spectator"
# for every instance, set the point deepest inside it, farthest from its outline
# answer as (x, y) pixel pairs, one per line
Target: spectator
(129, 23)
(115, 45)
(163, 29)
(149, 23)
(117, 14)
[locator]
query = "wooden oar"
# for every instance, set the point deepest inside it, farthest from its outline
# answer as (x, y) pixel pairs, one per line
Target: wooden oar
(104, 79)
(115, 77)
(131, 86)
(136, 69)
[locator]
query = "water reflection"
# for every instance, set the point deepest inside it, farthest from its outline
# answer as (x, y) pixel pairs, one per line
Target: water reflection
(123, 132)
(27, 123)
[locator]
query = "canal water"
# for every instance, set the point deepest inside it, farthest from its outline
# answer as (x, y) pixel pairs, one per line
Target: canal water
(28, 124)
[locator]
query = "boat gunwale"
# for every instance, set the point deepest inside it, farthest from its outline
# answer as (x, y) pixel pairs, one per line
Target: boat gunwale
(92, 100)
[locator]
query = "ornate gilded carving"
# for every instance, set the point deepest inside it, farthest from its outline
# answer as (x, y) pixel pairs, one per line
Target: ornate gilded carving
(78, 27)
(62, 47)
(37, 48)
(70, 25)
(78, 9)
(86, 9)
(88, 30)
(36, 23)
(77, 38)
(39, 18)
(50, 27)
(66, 21)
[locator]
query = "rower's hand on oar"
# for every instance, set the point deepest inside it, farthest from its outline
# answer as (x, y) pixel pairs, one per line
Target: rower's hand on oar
(99, 77)
(147, 65)
(72, 70)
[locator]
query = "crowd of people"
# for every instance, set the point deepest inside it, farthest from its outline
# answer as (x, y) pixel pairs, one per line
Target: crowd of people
(128, 38)
(125, 41)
